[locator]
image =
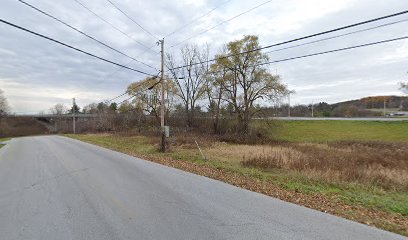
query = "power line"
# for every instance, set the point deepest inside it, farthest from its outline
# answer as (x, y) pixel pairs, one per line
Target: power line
(293, 58)
(120, 68)
(300, 38)
(131, 19)
(127, 91)
(134, 95)
(85, 34)
(71, 47)
(110, 24)
(128, 64)
(121, 95)
(127, 99)
(340, 35)
(221, 23)
(319, 53)
(335, 50)
(198, 18)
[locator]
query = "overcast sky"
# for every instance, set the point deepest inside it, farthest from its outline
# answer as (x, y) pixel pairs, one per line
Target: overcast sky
(35, 73)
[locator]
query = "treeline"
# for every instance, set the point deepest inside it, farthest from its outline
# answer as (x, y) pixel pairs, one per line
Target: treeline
(231, 89)
(220, 94)
(364, 107)
(376, 102)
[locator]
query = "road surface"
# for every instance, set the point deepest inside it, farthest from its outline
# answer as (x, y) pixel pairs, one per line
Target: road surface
(53, 187)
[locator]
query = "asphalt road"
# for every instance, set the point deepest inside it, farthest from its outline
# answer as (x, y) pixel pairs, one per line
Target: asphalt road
(53, 187)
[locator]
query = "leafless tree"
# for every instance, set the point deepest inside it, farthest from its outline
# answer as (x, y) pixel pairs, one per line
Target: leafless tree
(190, 80)
(58, 109)
(91, 108)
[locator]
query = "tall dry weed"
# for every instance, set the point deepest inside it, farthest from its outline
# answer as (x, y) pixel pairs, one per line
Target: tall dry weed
(382, 164)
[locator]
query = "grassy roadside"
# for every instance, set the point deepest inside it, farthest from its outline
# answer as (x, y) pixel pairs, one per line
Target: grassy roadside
(387, 209)
(3, 140)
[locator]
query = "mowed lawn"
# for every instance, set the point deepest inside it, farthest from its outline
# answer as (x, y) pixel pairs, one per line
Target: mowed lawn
(323, 131)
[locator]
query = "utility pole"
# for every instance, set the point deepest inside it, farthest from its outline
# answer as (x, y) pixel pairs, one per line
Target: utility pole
(312, 108)
(163, 137)
(385, 107)
(73, 115)
(289, 105)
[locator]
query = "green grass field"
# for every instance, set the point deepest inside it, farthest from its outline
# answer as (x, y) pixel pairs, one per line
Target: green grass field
(2, 140)
(323, 131)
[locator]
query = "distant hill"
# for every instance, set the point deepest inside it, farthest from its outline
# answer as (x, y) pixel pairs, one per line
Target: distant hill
(368, 107)
(376, 102)
(372, 106)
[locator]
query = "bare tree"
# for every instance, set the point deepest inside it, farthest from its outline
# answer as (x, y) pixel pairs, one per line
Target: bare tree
(91, 108)
(404, 86)
(190, 80)
(4, 107)
(58, 109)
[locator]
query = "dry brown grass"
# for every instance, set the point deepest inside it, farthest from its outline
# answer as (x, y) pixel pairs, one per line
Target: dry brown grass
(370, 163)
(20, 126)
(382, 164)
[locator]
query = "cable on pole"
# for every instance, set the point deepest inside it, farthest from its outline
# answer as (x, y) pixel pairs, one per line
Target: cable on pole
(110, 24)
(319, 53)
(300, 38)
(335, 50)
(338, 36)
(73, 48)
(127, 91)
(131, 19)
(221, 23)
(83, 33)
(198, 18)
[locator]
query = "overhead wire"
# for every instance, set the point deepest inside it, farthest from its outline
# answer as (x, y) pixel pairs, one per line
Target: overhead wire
(131, 19)
(118, 69)
(198, 18)
(338, 36)
(221, 23)
(83, 33)
(299, 39)
(127, 91)
(318, 53)
(335, 50)
(110, 24)
(73, 48)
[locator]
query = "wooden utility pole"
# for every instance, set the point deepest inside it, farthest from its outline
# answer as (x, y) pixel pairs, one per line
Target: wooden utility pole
(289, 105)
(385, 107)
(312, 108)
(73, 115)
(163, 137)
